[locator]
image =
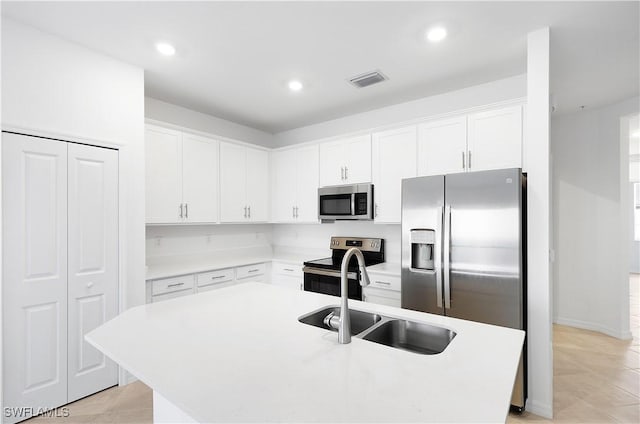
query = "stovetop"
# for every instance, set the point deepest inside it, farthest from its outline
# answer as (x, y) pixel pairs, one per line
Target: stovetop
(372, 251)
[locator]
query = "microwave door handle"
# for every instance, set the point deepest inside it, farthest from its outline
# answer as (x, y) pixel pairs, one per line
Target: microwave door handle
(353, 204)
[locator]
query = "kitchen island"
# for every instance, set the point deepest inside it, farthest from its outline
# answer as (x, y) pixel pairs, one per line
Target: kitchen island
(239, 354)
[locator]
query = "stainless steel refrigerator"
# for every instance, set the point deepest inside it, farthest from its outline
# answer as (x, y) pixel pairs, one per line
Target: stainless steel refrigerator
(463, 250)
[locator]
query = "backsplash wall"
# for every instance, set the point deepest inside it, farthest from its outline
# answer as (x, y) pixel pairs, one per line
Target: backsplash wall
(317, 236)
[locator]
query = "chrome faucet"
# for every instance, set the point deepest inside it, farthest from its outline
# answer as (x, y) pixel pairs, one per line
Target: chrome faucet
(343, 323)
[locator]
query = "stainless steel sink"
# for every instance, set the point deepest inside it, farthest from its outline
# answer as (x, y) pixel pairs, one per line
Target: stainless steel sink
(360, 320)
(412, 336)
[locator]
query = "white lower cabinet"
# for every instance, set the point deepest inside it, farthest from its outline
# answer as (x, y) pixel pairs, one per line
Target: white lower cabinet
(287, 274)
(169, 288)
(384, 289)
(60, 275)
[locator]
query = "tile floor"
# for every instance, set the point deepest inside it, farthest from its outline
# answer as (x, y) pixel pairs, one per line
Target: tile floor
(596, 380)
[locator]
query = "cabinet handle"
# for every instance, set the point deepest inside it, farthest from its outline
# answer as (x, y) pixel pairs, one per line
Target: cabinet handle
(180, 210)
(293, 211)
(175, 284)
(245, 211)
(342, 173)
(463, 160)
(375, 213)
(186, 210)
(89, 284)
(346, 173)
(253, 270)
(296, 212)
(288, 269)
(469, 161)
(249, 209)
(218, 277)
(386, 283)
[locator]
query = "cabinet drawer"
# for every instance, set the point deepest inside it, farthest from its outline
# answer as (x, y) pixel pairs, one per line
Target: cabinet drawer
(250, 271)
(170, 295)
(214, 277)
(283, 268)
(169, 285)
(383, 281)
(214, 286)
(381, 297)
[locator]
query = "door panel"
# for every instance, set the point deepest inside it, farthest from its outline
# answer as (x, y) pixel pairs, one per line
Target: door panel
(233, 179)
(495, 139)
(358, 159)
(332, 162)
(422, 204)
(486, 255)
(34, 272)
(442, 146)
(307, 164)
(163, 170)
(200, 178)
(283, 180)
(93, 264)
(394, 158)
(258, 184)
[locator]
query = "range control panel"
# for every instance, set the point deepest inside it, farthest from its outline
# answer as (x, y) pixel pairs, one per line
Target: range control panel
(364, 244)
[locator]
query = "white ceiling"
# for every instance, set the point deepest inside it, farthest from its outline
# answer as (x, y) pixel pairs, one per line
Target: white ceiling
(234, 58)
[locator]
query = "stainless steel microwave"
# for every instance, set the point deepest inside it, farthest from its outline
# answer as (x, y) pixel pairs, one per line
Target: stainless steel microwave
(353, 202)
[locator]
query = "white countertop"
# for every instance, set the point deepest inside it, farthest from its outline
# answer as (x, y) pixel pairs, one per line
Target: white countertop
(387, 268)
(239, 354)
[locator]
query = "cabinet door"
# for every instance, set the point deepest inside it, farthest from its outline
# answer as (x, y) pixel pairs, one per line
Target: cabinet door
(358, 159)
(92, 264)
(394, 158)
(233, 185)
(258, 185)
(283, 185)
(34, 278)
(307, 164)
(199, 178)
(442, 147)
(495, 139)
(332, 162)
(163, 170)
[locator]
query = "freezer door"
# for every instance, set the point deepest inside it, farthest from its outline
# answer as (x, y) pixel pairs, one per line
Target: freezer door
(484, 222)
(422, 211)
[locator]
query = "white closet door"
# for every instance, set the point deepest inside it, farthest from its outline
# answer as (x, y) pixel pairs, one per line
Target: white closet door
(200, 178)
(34, 280)
(93, 264)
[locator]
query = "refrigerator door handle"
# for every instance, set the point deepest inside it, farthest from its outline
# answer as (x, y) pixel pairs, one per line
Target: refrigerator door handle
(438, 260)
(447, 257)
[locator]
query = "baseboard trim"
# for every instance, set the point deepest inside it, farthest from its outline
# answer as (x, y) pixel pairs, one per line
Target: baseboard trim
(586, 325)
(541, 409)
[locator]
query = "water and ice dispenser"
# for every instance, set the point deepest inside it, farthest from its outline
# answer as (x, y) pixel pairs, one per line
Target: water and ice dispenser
(422, 249)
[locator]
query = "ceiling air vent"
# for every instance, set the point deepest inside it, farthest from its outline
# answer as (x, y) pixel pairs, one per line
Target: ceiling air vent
(367, 79)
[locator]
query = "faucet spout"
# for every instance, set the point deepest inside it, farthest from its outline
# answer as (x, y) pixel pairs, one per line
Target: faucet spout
(344, 325)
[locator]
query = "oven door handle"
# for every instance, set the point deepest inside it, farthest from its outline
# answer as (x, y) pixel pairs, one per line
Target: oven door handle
(328, 273)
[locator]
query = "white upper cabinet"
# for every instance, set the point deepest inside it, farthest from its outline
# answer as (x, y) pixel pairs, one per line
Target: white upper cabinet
(442, 146)
(163, 169)
(346, 161)
(295, 185)
(244, 184)
(181, 177)
(495, 139)
(394, 158)
(199, 178)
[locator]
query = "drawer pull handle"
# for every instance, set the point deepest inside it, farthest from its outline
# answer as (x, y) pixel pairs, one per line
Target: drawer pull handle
(219, 276)
(383, 282)
(253, 270)
(288, 269)
(175, 284)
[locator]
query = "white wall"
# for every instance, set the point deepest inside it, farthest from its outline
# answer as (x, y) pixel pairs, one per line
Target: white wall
(465, 98)
(634, 249)
(590, 269)
(54, 88)
(178, 115)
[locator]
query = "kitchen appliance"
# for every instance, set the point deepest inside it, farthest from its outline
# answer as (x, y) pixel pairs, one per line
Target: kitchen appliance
(346, 202)
(323, 275)
(463, 250)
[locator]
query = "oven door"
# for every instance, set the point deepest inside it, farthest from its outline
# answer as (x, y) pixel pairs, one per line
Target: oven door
(327, 281)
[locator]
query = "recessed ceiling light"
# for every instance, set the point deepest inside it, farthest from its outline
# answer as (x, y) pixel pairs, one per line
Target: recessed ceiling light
(295, 85)
(436, 34)
(166, 49)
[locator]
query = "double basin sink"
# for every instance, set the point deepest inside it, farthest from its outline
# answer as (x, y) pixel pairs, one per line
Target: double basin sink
(411, 336)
